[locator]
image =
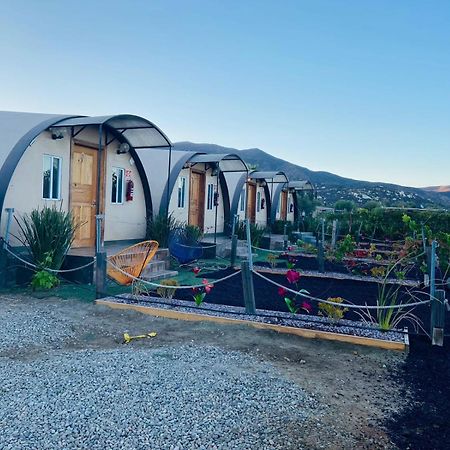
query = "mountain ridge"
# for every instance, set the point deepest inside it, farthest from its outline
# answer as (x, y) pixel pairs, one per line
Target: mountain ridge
(332, 187)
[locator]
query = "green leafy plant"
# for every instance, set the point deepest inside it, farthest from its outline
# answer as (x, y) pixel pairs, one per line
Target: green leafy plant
(169, 291)
(44, 280)
(47, 234)
(199, 293)
(293, 277)
(378, 271)
(344, 247)
(273, 260)
(256, 233)
(390, 316)
(160, 227)
(192, 234)
(334, 312)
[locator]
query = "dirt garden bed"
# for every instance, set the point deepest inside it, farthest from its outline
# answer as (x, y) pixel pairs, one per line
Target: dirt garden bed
(355, 290)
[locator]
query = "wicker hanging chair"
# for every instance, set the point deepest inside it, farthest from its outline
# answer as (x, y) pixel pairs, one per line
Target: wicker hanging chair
(131, 260)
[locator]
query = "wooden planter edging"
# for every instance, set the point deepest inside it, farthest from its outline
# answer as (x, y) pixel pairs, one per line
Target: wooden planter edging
(302, 332)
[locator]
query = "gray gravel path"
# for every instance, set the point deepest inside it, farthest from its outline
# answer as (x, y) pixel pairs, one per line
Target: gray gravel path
(166, 398)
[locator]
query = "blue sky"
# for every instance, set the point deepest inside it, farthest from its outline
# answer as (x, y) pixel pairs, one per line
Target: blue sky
(358, 88)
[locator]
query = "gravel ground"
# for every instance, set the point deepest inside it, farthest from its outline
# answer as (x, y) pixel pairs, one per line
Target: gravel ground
(165, 398)
(68, 382)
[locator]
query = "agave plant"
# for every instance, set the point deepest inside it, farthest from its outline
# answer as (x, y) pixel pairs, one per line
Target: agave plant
(160, 227)
(47, 234)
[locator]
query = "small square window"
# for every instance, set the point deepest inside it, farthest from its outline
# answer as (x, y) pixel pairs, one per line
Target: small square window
(117, 179)
(51, 178)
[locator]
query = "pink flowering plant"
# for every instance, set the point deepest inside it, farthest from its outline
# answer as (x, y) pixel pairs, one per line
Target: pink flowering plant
(294, 306)
(199, 293)
(291, 262)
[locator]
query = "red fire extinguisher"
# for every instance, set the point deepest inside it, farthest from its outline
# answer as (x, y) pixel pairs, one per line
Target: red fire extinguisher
(130, 190)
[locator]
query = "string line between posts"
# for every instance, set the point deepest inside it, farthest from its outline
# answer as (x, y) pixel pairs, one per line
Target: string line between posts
(343, 305)
(28, 263)
(157, 285)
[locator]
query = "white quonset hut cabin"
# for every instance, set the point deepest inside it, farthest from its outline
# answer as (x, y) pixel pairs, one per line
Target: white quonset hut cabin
(287, 200)
(192, 187)
(253, 196)
(88, 165)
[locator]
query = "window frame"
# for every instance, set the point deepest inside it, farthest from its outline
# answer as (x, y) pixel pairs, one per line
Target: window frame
(181, 191)
(52, 158)
(122, 170)
(258, 201)
(210, 197)
(242, 200)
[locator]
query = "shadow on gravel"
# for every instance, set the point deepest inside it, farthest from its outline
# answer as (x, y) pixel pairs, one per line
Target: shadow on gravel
(424, 423)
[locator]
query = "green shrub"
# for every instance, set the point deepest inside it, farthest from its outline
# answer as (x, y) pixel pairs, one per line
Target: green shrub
(192, 234)
(160, 227)
(47, 234)
(256, 233)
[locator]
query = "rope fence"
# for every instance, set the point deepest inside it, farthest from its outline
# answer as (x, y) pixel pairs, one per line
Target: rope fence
(158, 285)
(34, 266)
(343, 305)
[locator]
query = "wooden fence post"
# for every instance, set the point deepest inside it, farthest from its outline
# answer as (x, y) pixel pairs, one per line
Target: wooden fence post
(438, 318)
(248, 289)
(100, 260)
(249, 243)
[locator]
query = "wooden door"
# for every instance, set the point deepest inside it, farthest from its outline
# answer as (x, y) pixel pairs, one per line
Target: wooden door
(251, 202)
(83, 194)
(197, 199)
(283, 209)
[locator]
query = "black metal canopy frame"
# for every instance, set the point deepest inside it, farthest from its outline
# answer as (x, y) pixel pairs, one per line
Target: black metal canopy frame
(137, 132)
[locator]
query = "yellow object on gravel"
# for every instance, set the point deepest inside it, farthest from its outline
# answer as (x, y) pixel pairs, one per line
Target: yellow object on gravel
(127, 338)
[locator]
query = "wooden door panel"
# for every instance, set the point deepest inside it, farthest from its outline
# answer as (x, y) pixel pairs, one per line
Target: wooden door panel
(83, 194)
(196, 199)
(251, 203)
(283, 215)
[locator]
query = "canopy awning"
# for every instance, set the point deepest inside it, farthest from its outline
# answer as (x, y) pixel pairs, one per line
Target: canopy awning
(140, 133)
(273, 177)
(226, 162)
(301, 185)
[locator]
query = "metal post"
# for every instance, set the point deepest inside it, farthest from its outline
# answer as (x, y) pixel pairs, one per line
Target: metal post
(234, 241)
(216, 205)
(333, 234)
(4, 276)
(100, 255)
(323, 231)
(248, 289)
(321, 255)
(432, 270)
(234, 223)
(285, 237)
(438, 318)
(249, 243)
(169, 169)
(10, 212)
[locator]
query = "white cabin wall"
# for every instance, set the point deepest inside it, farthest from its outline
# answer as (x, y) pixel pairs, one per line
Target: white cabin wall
(210, 214)
(180, 214)
(261, 215)
(24, 192)
(129, 219)
(290, 201)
